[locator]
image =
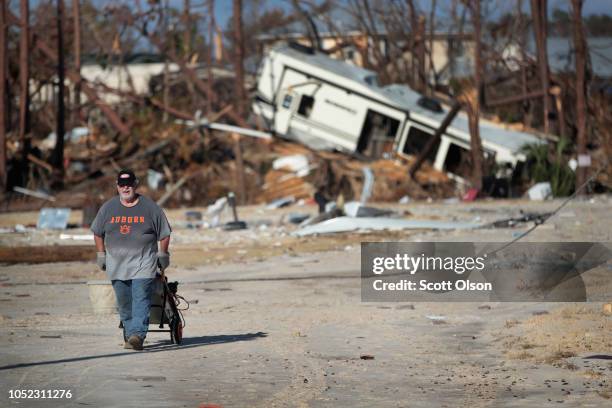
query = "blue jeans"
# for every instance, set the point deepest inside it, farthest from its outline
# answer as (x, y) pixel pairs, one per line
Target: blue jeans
(134, 303)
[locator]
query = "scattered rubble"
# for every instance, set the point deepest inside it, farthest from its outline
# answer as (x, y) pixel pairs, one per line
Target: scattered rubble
(540, 191)
(347, 224)
(53, 218)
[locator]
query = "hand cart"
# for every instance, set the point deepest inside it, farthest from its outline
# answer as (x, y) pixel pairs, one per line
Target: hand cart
(165, 309)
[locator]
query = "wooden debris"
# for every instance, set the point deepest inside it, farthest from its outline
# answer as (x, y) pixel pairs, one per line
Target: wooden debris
(36, 194)
(336, 174)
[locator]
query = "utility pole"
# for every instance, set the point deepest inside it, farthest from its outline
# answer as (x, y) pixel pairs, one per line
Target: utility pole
(580, 47)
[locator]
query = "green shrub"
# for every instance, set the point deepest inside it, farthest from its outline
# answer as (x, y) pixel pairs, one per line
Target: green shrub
(542, 165)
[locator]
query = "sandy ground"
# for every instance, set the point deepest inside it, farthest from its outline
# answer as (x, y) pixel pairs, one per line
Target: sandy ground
(276, 320)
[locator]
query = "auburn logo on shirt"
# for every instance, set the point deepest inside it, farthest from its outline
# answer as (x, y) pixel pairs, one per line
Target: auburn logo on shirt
(125, 228)
(127, 220)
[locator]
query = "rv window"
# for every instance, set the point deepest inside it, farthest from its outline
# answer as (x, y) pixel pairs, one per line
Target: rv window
(417, 140)
(287, 101)
(377, 134)
(458, 161)
(306, 104)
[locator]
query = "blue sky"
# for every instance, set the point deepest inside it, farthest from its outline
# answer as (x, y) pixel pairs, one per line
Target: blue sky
(223, 8)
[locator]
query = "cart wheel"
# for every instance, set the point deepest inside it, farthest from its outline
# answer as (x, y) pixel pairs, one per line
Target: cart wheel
(176, 331)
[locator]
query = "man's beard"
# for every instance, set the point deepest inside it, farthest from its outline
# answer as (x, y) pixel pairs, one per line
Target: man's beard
(127, 196)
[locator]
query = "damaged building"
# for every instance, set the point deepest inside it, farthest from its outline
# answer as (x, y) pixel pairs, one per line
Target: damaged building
(328, 104)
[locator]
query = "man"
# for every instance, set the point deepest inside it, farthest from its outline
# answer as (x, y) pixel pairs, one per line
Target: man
(127, 230)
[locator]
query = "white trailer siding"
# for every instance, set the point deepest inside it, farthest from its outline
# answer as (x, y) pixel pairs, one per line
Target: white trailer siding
(329, 104)
(338, 113)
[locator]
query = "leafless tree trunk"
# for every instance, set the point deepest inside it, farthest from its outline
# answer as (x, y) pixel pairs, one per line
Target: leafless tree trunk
(526, 104)
(58, 151)
(413, 28)
(189, 22)
(430, 48)
(240, 184)
(414, 167)
(209, 55)
(166, 91)
(311, 28)
(76, 14)
(187, 33)
(473, 116)
(24, 77)
(372, 34)
(420, 54)
(539, 16)
(557, 93)
(239, 94)
(580, 46)
(3, 101)
(238, 58)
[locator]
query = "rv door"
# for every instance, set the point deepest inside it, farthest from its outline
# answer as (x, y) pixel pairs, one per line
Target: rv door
(285, 108)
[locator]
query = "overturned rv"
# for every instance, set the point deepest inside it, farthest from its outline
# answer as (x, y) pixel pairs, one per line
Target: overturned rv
(329, 104)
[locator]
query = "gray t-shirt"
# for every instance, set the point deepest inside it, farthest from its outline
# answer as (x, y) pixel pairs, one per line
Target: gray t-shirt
(130, 237)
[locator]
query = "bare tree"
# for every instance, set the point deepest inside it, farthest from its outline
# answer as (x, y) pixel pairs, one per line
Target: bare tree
(4, 101)
(526, 104)
(164, 22)
(187, 28)
(474, 104)
(539, 16)
(76, 15)
(311, 28)
(240, 94)
(413, 18)
(580, 46)
(430, 50)
(58, 151)
(209, 54)
(421, 79)
(24, 77)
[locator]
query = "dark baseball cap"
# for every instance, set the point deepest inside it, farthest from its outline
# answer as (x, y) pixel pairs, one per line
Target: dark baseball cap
(126, 178)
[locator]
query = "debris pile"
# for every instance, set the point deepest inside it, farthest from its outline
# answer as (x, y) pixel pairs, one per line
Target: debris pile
(300, 172)
(178, 166)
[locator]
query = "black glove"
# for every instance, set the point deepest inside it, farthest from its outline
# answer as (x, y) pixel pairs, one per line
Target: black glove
(101, 260)
(163, 260)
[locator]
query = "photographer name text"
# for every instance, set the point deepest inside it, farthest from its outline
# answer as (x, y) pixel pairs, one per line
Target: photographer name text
(425, 285)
